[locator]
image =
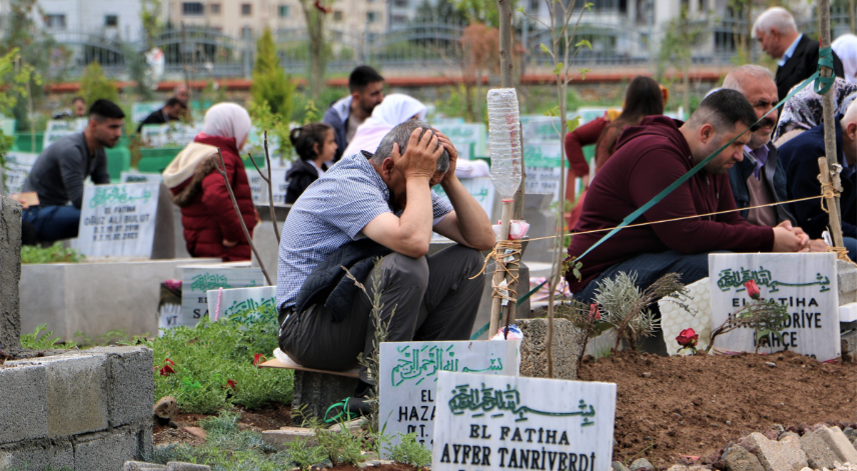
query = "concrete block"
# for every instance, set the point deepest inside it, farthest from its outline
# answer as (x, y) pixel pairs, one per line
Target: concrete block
(180, 466)
(105, 451)
(848, 312)
(775, 456)
(818, 454)
(77, 394)
(96, 297)
(130, 386)
(285, 435)
(27, 383)
(315, 392)
(566, 348)
(142, 466)
(37, 455)
(10, 274)
(847, 280)
(483, 315)
(838, 443)
(145, 440)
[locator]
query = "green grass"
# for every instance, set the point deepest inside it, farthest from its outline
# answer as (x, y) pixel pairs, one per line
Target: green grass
(213, 368)
(53, 254)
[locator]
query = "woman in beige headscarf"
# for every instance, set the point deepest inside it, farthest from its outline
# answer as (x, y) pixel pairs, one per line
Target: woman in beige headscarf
(211, 227)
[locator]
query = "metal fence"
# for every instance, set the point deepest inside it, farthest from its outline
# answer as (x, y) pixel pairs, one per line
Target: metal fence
(419, 46)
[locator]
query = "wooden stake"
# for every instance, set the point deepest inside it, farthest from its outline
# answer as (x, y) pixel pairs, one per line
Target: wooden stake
(829, 126)
(499, 271)
(831, 202)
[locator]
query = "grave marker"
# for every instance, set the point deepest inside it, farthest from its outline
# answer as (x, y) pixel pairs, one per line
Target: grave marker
(133, 176)
(408, 382)
(487, 422)
(59, 128)
(142, 110)
(805, 283)
(249, 302)
(18, 167)
(118, 220)
(197, 281)
(542, 161)
(469, 139)
(480, 188)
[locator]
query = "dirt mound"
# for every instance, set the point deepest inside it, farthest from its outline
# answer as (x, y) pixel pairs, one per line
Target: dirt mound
(696, 405)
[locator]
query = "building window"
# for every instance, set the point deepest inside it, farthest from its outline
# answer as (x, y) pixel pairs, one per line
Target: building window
(214, 8)
(371, 16)
(284, 11)
(246, 9)
(535, 6)
(400, 3)
(193, 8)
(337, 15)
(111, 21)
(55, 21)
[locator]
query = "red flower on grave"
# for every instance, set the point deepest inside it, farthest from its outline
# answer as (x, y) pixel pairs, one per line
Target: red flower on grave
(753, 289)
(258, 359)
(321, 7)
(231, 384)
(167, 360)
(687, 338)
(594, 313)
(166, 370)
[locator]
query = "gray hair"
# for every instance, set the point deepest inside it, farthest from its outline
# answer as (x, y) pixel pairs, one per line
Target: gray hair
(401, 134)
(738, 78)
(777, 18)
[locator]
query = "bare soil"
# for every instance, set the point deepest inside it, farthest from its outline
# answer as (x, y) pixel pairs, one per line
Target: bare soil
(268, 418)
(667, 407)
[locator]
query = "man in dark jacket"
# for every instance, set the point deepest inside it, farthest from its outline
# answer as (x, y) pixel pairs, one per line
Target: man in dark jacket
(796, 54)
(759, 178)
(650, 157)
(800, 158)
(172, 111)
(346, 115)
(387, 198)
(59, 172)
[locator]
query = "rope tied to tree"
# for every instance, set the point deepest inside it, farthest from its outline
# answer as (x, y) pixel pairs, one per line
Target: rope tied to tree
(505, 254)
(825, 59)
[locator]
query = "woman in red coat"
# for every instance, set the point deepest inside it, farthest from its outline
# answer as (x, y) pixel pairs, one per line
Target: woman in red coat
(211, 227)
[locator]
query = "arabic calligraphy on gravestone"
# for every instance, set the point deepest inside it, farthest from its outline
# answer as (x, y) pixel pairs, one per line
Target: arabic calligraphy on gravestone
(492, 422)
(409, 372)
(118, 220)
(197, 281)
(243, 304)
(805, 283)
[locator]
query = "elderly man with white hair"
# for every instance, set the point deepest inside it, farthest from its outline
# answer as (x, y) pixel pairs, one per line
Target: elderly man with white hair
(796, 54)
(800, 159)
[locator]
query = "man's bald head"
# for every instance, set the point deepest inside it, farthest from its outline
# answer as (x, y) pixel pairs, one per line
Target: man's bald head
(849, 133)
(757, 85)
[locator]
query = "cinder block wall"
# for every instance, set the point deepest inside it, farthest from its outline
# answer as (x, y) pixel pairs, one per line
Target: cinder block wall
(85, 410)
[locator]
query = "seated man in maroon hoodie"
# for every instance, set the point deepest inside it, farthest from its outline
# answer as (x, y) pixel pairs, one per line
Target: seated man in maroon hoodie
(650, 157)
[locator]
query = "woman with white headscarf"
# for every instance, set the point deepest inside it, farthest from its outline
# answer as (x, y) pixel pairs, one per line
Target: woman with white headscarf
(845, 47)
(211, 226)
(393, 111)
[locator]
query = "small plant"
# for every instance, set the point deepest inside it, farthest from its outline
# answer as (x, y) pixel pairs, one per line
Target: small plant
(626, 307)
(410, 451)
(53, 254)
(45, 341)
(342, 446)
(304, 455)
(766, 317)
(225, 422)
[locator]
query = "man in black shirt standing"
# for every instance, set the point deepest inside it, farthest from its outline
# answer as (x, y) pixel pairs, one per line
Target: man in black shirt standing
(60, 170)
(172, 110)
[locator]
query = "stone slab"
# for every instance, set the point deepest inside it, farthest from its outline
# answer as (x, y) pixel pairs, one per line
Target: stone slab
(566, 348)
(737, 458)
(29, 415)
(285, 435)
(315, 392)
(131, 389)
(818, 454)
(181, 466)
(94, 298)
(37, 455)
(775, 456)
(105, 451)
(142, 466)
(77, 394)
(838, 443)
(10, 274)
(847, 274)
(848, 312)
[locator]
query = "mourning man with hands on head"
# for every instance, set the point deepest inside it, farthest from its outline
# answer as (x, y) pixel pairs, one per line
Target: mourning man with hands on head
(369, 206)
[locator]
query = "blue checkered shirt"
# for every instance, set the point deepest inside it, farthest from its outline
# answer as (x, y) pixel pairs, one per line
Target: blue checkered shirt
(330, 213)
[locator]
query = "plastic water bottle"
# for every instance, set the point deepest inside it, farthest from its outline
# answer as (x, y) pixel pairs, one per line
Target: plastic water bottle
(504, 140)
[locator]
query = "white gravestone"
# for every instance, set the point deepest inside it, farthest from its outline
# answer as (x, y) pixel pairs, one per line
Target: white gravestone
(469, 139)
(805, 283)
(543, 168)
(18, 166)
(57, 129)
(118, 220)
(489, 422)
(480, 188)
(246, 302)
(675, 318)
(141, 111)
(408, 382)
(197, 281)
(260, 188)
